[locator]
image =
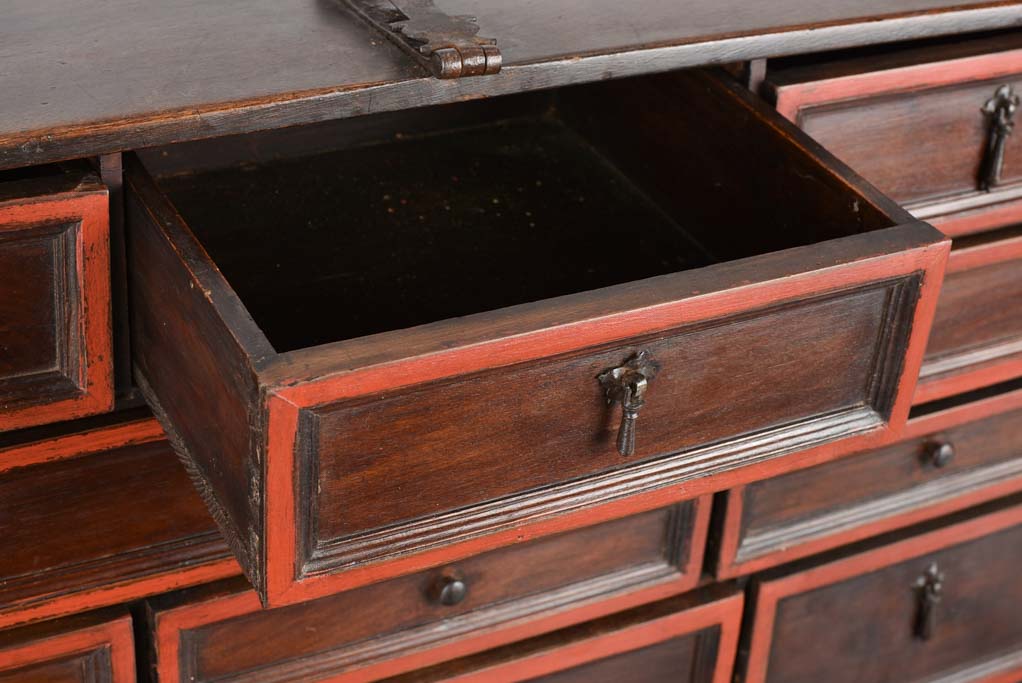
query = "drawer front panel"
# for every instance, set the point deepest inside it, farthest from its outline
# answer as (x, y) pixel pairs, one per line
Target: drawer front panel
(400, 456)
(36, 268)
(871, 617)
(688, 659)
(70, 512)
(85, 649)
(690, 639)
(918, 146)
(916, 123)
(55, 338)
(978, 309)
(853, 491)
(976, 338)
(89, 667)
(660, 550)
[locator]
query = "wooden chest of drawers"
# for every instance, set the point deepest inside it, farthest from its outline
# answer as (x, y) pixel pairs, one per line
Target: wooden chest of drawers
(322, 462)
(437, 340)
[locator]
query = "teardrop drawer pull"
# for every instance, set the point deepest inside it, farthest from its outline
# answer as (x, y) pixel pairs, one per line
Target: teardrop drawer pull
(627, 385)
(930, 587)
(1000, 109)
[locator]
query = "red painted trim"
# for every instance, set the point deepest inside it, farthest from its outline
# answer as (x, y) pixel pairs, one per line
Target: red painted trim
(692, 569)
(793, 98)
(577, 335)
(80, 443)
(85, 443)
(979, 219)
(772, 592)
(727, 567)
(970, 258)
(171, 623)
(114, 594)
(116, 635)
(865, 531)
(724, 565)
(91, 210)
(969, 379)
(726, 613)
(961, 414)
(284, 403)
(991, 372)
(1010, 676)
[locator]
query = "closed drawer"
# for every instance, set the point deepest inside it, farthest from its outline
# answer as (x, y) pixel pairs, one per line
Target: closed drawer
(221, 633)
(913, 122)
(55, 346)
(691, 639)
(939, 606)
(976, 339)
(296, 321)
(83, 649)
(92, 517)
(951, 457)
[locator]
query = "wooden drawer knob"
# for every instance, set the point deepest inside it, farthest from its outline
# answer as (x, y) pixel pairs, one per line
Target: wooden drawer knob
(940, 454)
(449, 589)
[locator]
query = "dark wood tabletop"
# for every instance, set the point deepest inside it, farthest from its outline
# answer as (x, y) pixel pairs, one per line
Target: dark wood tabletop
(81, 77)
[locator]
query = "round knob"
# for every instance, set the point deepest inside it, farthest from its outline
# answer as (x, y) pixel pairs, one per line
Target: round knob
(449, 588)
(941, 454)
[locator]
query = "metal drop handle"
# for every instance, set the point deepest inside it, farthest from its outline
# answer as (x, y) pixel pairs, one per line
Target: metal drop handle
(627, 385)
(1000, 109)
(930, 588)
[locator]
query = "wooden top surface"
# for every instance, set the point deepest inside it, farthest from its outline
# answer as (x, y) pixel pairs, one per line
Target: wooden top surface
(80, 77)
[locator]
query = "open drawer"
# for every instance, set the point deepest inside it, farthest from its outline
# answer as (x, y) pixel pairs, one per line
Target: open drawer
(416, 346)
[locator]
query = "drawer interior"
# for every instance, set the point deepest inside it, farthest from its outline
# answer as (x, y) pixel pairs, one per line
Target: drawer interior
(405, 219)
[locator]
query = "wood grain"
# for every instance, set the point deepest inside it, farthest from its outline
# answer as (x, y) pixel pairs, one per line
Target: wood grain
(245, 415)
(56, 353)
(701, 629)
(909, 119)
(395, 626)
(95, 648)
(815, 509)
(188, 69)
(975, 339)
(873, 593)
(75, 547)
